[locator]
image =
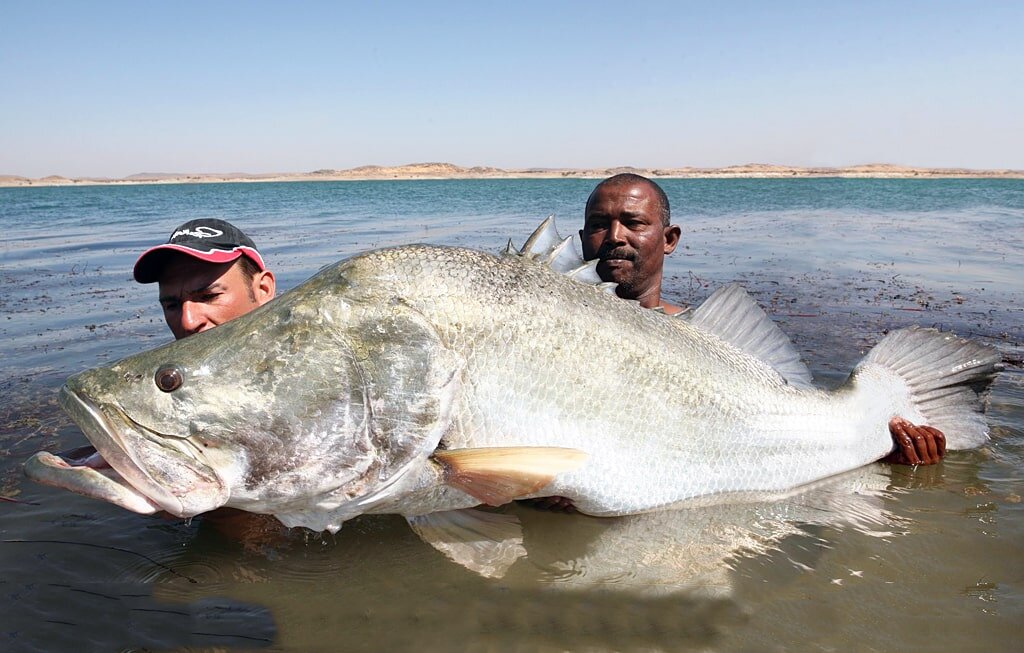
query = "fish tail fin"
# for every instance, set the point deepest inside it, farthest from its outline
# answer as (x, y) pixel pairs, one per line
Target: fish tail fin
(946, 377)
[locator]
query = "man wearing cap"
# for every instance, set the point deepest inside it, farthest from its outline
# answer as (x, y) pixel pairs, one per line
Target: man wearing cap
(208, 272)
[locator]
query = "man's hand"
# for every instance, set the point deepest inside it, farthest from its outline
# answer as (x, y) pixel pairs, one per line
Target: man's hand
(915, 445)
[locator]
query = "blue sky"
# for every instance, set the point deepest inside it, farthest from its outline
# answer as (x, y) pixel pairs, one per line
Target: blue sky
(112, 89)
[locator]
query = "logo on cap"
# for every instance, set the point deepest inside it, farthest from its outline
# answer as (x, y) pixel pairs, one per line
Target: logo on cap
(198, 232)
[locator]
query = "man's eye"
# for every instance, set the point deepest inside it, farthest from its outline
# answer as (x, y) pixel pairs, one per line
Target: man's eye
(209, 296)
(170, 306)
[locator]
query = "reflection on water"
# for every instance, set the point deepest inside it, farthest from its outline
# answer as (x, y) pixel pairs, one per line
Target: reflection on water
(887, 558)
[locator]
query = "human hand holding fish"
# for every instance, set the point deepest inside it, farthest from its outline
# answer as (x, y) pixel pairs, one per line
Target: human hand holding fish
(916, 444)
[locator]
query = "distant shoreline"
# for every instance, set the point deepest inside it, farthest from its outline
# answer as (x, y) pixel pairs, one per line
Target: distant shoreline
(451, 171)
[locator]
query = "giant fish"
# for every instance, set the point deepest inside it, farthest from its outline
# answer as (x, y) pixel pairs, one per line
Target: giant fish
(426, 380)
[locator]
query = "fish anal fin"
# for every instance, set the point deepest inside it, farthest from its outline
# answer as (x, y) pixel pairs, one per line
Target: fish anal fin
(486, 543)
(498, 475)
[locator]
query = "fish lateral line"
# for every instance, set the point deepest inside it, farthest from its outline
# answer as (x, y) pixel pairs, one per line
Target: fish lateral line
(498, 475)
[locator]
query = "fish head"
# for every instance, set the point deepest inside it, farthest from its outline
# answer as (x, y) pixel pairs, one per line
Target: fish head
(307, 397)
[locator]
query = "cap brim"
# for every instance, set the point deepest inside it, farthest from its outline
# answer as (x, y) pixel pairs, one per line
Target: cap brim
(151, 263)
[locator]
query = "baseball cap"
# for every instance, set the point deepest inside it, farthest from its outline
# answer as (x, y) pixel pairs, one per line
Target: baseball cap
(207, 239)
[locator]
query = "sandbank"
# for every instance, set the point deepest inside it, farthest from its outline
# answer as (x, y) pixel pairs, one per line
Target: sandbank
(452, 171)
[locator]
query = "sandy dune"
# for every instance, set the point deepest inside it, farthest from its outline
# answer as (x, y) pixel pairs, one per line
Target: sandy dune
(452, 171)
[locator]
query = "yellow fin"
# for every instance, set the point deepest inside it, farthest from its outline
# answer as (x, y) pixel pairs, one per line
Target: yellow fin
(501, 474)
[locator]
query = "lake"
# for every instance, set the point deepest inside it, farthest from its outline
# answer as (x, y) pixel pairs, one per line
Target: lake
(885, 558)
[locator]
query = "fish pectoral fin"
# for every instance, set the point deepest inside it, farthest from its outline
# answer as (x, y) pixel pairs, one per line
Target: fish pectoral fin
(498, 475)
(487, 543)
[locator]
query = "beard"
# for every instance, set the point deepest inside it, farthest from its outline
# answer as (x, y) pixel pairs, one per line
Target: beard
(619, 265)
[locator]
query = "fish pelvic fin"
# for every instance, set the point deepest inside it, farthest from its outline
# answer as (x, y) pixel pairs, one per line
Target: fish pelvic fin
(498, 475)
(732, 314)
(486, 543)
(947, 377)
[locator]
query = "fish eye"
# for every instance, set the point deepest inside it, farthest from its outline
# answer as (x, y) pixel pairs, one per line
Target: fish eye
(169, 378)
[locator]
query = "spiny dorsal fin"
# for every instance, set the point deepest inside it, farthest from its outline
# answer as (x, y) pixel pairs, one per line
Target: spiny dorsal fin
(484, 542)
(562, 257)
(587, 272)
(560, 254)
(497, 475)
(543, 239)
(733, 315)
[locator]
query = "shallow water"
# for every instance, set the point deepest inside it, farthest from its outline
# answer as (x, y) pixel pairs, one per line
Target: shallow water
(888, 558)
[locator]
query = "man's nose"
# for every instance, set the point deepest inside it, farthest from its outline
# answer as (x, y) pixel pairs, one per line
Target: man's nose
(193, 317)
(616, 233)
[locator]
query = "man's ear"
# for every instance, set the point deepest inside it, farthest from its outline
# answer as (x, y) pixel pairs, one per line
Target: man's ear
(672, 235)
(264, 286)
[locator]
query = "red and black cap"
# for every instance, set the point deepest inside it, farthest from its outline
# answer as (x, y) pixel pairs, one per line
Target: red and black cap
(207, 239)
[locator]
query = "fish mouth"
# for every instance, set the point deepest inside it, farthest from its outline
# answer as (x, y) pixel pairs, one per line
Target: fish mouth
(92, 481)
(132, 467)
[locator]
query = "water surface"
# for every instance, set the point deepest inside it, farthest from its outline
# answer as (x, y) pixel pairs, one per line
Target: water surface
(888, 558)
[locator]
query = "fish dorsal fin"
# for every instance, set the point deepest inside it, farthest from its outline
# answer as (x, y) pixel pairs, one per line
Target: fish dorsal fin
(562, 257)
(560, 254)
(587, 273)
(487, 543)
(543, 239)
(733, 315)
(498, 475)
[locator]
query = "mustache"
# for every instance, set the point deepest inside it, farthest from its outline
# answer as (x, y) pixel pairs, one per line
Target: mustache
(610, 252)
